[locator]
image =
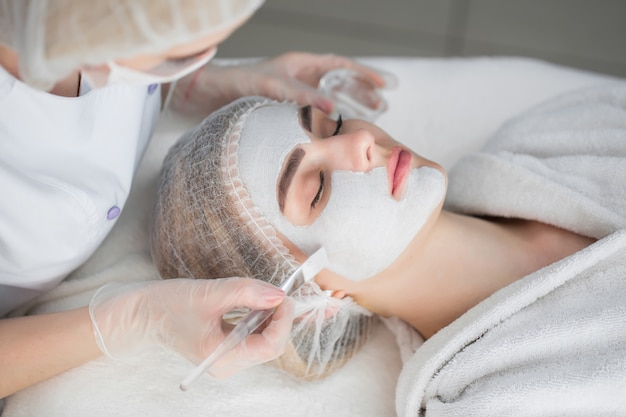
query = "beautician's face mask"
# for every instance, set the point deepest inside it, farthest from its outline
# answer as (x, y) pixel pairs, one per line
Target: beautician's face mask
(363, 228)
(165, 72)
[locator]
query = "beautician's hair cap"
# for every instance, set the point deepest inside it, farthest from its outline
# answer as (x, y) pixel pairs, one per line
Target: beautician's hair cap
(205, 225)
(54, 37)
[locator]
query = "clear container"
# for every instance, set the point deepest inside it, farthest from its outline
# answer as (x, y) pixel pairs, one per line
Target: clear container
(355, 96)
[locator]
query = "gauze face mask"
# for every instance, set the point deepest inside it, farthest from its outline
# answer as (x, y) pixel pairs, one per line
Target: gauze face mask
(362, 228)
(167, 71)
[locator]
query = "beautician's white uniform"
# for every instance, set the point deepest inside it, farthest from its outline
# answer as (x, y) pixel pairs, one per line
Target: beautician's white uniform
(66, 167)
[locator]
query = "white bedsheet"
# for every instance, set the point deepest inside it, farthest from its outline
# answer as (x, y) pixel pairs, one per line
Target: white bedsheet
(442, 108)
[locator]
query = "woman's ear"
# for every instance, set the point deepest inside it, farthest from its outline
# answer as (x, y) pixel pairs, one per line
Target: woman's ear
(339, 285)
(338, 294)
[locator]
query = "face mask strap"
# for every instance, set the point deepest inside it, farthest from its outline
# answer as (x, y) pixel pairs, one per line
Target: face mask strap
(119, 74)
(183, 66)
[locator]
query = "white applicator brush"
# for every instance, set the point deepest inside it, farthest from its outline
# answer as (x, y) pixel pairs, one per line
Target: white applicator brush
(306, 272)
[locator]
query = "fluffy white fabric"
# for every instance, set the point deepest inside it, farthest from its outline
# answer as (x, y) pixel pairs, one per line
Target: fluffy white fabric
(554, 342)
(563, 163)
(147, 385)
(442, 108)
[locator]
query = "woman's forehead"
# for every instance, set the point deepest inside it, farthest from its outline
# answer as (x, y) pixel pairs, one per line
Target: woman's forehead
(268, 135)
(273, 113)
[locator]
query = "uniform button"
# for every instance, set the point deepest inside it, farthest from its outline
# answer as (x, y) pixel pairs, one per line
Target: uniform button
(152, 88)
(113, 212)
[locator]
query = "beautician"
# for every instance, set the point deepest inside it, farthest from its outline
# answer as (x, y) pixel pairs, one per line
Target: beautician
(81, 86)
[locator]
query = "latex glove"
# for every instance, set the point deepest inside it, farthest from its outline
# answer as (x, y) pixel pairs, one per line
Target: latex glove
(293, 76)
(185, 315)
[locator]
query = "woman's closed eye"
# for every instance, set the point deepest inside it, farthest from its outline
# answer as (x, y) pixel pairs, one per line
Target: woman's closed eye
(338, 128)
(320, 191)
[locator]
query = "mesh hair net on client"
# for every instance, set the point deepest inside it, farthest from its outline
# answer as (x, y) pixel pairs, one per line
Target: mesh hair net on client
(206, 226)
(55, 37)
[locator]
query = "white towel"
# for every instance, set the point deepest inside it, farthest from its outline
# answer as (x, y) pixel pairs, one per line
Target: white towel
(554, 342)
(562, 163)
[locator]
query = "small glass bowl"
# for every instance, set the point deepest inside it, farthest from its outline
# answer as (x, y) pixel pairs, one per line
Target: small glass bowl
(355, 96)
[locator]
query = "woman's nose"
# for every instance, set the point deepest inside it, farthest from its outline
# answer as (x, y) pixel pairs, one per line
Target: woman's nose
(353, 151)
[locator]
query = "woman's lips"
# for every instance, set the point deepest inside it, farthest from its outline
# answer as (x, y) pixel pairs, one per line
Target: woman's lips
(398, 168)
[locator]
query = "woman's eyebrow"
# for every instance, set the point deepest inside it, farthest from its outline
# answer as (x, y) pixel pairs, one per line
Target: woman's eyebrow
(293, 161)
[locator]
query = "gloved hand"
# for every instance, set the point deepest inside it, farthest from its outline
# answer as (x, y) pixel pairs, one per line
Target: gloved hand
(185, 315)
(293, 76)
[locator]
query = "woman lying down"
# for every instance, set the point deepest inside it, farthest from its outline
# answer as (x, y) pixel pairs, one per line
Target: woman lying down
(260, 185)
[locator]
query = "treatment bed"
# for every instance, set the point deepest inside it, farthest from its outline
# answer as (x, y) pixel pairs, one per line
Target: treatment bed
(443, 109)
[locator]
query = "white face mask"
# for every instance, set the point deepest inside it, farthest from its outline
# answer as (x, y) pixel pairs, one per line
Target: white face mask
(362, 228)
(168, 71)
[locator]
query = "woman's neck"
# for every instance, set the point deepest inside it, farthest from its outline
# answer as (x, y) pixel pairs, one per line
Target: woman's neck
(458, 263)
